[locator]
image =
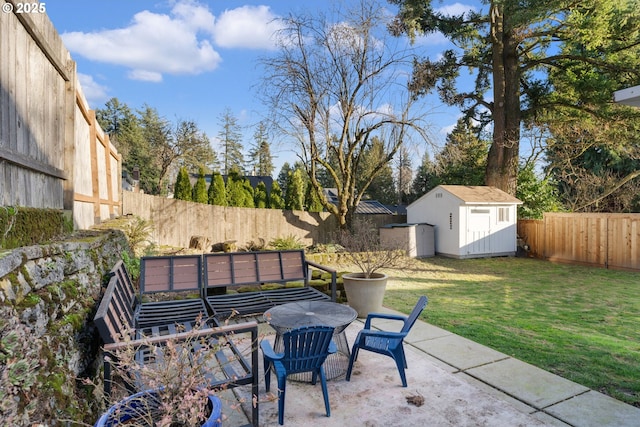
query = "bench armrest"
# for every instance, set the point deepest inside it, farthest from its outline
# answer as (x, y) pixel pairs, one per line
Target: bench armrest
(328, 270)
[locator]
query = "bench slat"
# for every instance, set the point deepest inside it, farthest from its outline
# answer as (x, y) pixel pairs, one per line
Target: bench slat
(170, 273)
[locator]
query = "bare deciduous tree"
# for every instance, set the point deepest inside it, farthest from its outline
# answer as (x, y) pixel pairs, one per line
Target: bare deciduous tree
(335, 85)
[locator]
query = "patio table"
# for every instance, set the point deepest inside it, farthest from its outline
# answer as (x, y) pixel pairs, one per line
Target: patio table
(315, 313)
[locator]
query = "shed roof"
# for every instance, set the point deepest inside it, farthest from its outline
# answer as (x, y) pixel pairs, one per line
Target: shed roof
(478, 194)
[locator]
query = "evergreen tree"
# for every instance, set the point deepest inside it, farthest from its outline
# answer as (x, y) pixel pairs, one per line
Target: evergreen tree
(275, 197)
(381, 188)
(294, 197)
(217, 194)
(508, 46)
(463, 159)
(261, 159)
(538, 195)
(248, 194)
(283, 177)
(235, 189)
(312, 200)
(260, 197)
(230, 137)
(404, 174)
(182, 188)
(200, 188)
(425, 179)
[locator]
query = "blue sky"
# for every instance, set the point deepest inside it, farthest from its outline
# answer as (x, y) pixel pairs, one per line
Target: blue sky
(192, 59)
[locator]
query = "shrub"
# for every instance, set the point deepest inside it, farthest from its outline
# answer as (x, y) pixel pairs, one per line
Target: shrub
(288, 242)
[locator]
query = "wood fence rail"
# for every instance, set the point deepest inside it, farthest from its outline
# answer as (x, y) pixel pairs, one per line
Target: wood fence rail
(599, 239)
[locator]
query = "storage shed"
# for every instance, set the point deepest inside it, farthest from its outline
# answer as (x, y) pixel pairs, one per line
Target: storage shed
(415, 239)
(469, 221)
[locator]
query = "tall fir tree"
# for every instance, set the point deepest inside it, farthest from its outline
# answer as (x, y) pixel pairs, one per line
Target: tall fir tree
(283, 177)
(425, 179)
(260, 155)
(463, 159)
(230, 137)
(182, 188)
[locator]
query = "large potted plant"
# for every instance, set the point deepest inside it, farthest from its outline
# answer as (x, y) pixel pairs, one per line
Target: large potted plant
(362, 248)
(175, 387)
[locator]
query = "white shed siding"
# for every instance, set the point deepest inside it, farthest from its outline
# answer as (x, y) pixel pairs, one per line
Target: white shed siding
(466, 229)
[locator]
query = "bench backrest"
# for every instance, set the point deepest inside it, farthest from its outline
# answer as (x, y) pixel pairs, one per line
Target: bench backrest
(115, 315)
(170, 273)
(246, 268)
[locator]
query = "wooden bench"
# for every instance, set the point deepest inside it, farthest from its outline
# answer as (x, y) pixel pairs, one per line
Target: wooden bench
(119, 326)
(165, 278)
(234, 270)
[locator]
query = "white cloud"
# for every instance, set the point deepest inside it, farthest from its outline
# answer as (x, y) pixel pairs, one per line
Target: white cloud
(94, 92)
(154, 44)
(145, 76)
(455, 9)
(250, 27)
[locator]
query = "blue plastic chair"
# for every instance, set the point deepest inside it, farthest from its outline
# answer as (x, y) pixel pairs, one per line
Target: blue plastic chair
(386, 343)
(305, 350)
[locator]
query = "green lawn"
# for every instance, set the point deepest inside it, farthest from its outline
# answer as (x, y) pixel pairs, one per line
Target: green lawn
(578, 322)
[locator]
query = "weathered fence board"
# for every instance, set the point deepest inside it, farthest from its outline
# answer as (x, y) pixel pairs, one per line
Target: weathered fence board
(48, 135)
(176, 221)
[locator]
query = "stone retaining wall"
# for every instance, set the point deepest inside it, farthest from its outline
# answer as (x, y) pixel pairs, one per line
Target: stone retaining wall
(48, 297)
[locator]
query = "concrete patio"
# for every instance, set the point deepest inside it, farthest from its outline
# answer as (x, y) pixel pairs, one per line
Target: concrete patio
(462, 383)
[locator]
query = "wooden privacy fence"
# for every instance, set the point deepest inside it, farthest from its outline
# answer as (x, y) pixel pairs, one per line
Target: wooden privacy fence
(176, 221)
(52, 152)
(604, 240)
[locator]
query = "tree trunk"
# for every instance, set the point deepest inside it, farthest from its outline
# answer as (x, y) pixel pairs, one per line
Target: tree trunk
(502, 160)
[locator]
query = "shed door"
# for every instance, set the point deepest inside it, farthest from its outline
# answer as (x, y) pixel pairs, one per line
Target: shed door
(478, 231)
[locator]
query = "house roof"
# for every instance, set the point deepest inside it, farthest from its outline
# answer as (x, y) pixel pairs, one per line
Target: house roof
(477, 194)
(368, 207)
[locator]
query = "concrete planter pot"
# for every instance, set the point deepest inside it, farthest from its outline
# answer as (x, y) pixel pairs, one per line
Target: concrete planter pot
(365, 295)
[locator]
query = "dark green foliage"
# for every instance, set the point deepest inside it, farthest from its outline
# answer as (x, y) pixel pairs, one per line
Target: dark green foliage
(182, 189)
(283, 177)
(294, 197)
(260, 196)
(275, 197)
(152, 145)
(312, 200)
(247, 198)
(200, 189)
(217, 193)
(235, 189)
(538, 195)
(425, 179)
(463, 159)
